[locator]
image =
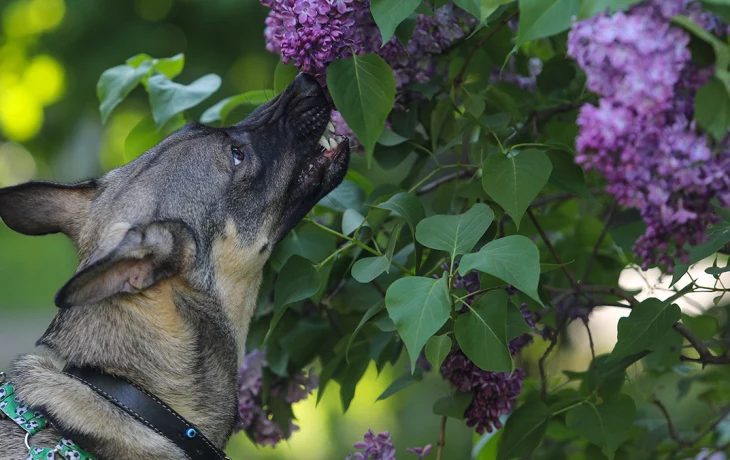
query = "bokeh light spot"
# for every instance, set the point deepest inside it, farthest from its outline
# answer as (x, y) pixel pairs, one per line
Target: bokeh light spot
(16, 164)
(45, 77)
(153, 10)
(21, 115)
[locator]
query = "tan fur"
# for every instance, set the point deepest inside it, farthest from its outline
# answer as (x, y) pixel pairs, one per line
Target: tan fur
(39, 383)
(238, 277)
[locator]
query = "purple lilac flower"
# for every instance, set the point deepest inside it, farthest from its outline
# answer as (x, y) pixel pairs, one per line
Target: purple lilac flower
(253, 416)
(380, 447)
(641, 136)
(494, 393)
(374, 447)
(420, 451)
(313, 33)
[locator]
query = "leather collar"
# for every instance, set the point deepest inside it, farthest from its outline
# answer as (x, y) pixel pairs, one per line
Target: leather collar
(149, 410)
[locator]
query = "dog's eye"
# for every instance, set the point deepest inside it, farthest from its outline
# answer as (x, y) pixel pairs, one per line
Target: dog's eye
(238, 155)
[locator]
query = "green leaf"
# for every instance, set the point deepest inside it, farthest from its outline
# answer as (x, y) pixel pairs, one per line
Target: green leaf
(514, 181)
(524, 430)
(419, 307)
(351, 377)
(370, 314)
(646, 325)
(703, 326)
(168, 98)
(351, 221)
(455, 234)
(722, 52)
(297, 281)
(401, 383)
(363, 89)
(516, 324)
(407, 206)
(611, 374)
(717, 236)
(348, 195)
(514, 259)
(283, 75)
(590, 8)
(389, 13)
(437, 348)
(368, 268)
(712, 108)
(543, 18)
(246, 103)
(116, 83)
(606, 425)
(566, 174)
(453, 406)
(389, 138)
(481, 333)
(145, 135)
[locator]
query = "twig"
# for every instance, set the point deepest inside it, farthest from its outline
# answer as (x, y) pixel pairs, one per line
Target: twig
(473, 51)
(442, 438)
(609, 290)
(706, 356)
(431, 186)
(593, 351)
(562, 196)
(670, 425)
(543, 358)
(599, 242)
(539, 116)
(378, 287)
(723, 415)
(550, 247)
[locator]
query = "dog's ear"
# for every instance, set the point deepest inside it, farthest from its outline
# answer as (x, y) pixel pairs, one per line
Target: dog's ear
(144, 256)
(39, 208)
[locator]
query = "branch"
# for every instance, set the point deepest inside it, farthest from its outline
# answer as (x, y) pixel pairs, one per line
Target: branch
(431, 186)
(562, 196)
(673, 433)
(593, 352)
(539, 116)
(442, 438)
(599, 242)
(458, 80)
(551, 248)
(706, 356)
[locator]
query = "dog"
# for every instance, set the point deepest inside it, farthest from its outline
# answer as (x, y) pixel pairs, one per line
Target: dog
(171, 249)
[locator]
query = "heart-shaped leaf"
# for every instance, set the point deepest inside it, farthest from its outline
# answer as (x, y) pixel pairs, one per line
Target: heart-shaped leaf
(524, 430)
(297, 281)
(168, 98)
(606, 425)
(437, 348)
(514, 259)
(363, 89)
(646, 325)
(455, 234)
(514, 181)
(116, 83)
(389, 13)
(368, 268)
(419, 307)
(481, 333)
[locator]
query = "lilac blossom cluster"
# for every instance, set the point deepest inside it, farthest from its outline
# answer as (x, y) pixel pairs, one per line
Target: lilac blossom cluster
(313, 33)
(642, 136)
(380, 447)
(494, 393)
(253, 416)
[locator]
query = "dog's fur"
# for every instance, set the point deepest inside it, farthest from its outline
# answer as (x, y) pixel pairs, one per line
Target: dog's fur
(171, 248)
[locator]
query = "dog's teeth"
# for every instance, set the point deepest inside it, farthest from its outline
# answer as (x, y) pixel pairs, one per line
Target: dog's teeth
(333, 143)
(323, 142)
(331, 127)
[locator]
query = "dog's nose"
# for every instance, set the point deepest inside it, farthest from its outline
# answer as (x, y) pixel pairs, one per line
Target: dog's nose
(307, 85)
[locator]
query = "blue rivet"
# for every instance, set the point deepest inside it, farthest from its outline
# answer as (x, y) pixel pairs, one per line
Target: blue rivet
(190, 433)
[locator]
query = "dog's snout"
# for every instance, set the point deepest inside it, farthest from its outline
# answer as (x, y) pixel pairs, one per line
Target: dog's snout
(307, 85)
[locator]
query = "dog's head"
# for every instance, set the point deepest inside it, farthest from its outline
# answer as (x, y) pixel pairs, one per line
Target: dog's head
(164, 212)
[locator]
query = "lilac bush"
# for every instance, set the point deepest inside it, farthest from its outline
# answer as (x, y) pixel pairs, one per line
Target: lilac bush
(642, 136)
(380, 447)
(253, 416)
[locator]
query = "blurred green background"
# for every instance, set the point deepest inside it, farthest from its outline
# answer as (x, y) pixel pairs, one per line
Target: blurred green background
(51, 55)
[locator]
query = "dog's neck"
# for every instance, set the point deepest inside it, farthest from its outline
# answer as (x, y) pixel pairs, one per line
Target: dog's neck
(176, 342)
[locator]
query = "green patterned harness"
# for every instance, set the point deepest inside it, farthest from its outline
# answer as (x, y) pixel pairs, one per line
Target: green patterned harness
(33, 422)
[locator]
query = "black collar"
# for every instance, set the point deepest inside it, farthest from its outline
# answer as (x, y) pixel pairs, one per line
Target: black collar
(149, 410)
